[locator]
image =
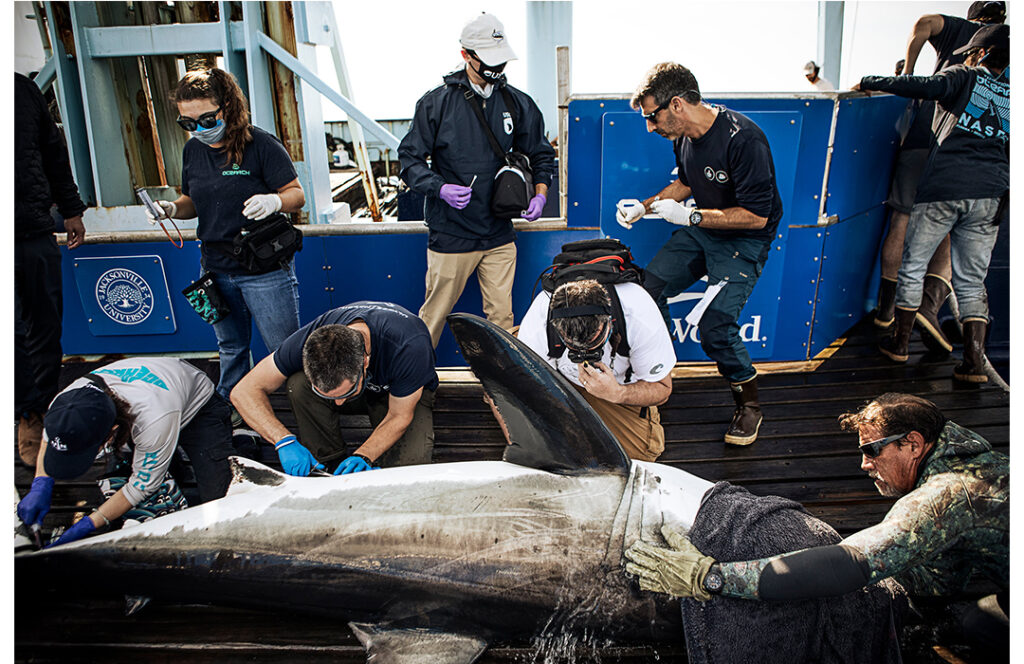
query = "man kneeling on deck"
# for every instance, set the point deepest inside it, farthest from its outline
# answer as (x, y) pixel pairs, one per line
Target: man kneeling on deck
(952, 521)
(625, 391)
(367, 357)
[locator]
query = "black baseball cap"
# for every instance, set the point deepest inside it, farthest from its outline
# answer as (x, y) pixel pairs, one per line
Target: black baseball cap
(986, 10)
(988, 36)
(76, 424)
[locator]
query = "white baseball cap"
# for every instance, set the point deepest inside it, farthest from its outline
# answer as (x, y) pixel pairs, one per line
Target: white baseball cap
(485, 36)
(810, 67)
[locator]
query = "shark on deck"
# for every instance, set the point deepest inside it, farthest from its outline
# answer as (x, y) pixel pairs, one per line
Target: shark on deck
(427, 563)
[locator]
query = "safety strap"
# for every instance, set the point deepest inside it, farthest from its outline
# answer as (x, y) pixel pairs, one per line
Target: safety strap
(474, 102)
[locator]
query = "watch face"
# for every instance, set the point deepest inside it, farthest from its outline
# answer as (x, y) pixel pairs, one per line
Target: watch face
(713, 582)
(696, 218)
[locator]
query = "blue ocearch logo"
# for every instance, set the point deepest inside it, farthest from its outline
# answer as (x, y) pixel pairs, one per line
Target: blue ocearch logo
(124, 296)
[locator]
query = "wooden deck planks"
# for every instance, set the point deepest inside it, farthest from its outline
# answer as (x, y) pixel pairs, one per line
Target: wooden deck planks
(801, 454)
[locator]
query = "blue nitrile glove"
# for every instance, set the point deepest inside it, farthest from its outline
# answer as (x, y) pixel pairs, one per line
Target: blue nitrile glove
(356, 463)
(83, 528)
(536, 207)
(36, 503)
(296, 459)
(455, 195)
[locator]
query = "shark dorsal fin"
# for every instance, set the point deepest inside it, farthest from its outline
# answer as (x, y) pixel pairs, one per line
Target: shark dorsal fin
(551, 427)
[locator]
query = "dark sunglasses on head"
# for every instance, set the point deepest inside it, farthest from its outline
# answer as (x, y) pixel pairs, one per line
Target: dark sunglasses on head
(206, 121)
(357, 387)
(874, 448)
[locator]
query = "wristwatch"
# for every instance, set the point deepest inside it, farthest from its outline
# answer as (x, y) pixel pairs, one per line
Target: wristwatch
(713, 581)
(696, 217)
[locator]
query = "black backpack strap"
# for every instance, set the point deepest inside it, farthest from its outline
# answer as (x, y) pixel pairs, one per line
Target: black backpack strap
(621, 347)
(475, 104)
(96, 380)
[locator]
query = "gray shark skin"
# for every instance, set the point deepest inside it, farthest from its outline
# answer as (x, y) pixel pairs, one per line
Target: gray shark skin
(476, 551)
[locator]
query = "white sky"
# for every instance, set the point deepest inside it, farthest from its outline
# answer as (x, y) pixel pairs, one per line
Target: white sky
(732, 46)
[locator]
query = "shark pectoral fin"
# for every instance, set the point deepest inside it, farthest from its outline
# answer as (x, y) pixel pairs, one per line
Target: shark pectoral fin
(390, 645)
(134, 603)
(246, 474)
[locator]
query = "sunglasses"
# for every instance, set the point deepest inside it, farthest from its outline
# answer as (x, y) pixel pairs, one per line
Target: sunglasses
(874, 448)
(206, 121)
(650, 116)
(357, 387)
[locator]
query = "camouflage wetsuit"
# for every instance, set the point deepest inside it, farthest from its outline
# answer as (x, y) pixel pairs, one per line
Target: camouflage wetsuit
(955, 523)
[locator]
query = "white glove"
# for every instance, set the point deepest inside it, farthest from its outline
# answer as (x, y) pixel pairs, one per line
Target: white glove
(627, 211)
(672, 212)
(261, 206)
(170, 208)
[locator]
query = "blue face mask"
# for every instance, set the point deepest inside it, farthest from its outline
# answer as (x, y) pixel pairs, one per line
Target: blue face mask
(211, 135)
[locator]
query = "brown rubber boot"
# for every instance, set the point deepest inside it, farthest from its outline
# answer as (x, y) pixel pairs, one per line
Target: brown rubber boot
(936, 290)
(886, 303)
(746, 419)
(30, 436)
(896, 345)
(972, 369)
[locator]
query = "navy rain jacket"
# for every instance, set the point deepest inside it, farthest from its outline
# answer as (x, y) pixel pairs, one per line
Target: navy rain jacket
(446, 129)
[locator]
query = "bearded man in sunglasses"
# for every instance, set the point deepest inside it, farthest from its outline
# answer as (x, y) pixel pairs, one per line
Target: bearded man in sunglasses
(624, 391)
(372, 358)
(951, 523)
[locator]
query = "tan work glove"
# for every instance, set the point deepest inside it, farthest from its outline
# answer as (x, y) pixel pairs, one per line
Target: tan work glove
(678, 571)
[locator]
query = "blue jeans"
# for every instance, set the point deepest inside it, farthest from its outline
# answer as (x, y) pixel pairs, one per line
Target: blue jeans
(686, 257)
(272, 300)
(972, 230)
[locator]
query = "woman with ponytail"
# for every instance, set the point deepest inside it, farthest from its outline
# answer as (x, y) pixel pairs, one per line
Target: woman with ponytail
(232, 175)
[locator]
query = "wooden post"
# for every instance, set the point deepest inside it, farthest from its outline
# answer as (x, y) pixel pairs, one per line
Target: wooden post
(562, 68)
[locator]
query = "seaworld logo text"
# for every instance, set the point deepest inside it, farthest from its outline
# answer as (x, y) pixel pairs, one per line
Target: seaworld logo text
(682, 331)
(124, 296)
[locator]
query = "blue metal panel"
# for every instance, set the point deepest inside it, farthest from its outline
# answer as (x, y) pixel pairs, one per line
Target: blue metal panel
(584, 141)
(849, 253)
(124, 295)
(865, 144)
(636, 164)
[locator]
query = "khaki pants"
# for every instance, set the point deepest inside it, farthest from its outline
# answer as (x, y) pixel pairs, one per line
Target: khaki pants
(446, 278)
(642, 438)
(319, 430)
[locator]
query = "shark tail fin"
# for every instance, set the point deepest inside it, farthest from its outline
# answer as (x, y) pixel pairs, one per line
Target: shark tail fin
(390, 645)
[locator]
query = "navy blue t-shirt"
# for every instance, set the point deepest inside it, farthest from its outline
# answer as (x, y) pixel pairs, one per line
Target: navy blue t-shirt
(401, 351)
(956, 32)
(219, 192)
(731, 166)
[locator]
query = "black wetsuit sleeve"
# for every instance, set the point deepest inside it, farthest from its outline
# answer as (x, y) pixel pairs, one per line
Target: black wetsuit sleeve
(915, 87)
(825, 571)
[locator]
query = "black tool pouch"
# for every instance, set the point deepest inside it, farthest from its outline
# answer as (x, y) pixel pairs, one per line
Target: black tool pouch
(513, 184)
(204, 296)
(267, 244)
